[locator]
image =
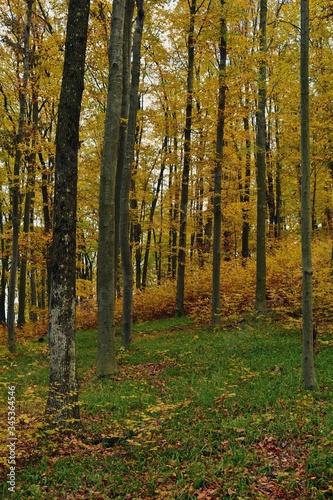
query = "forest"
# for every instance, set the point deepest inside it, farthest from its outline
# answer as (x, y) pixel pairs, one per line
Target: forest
(166, 249)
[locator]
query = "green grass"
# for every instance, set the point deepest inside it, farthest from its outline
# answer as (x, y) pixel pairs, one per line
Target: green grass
(192, 413)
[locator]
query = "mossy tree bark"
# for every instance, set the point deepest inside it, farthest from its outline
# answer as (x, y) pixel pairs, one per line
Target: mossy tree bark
(186, 165)
(217, 212)
(126, 184)
(260, 298)
(107, 251)
(309, 376)
(62, 409)
(15, 184)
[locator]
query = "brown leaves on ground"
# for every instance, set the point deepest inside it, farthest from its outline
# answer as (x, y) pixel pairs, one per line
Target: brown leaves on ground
(285, 462)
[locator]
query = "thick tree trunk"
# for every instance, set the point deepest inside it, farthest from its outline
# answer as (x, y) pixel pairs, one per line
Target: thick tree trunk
(62, 406)
(15, 186)
(107, 254)
(260, 299)
(309, 376)
(186, 167)
(217, 212)
(126, 184)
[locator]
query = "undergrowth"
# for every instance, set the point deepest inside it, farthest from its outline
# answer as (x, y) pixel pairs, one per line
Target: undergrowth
(192, 414)
(284, 288)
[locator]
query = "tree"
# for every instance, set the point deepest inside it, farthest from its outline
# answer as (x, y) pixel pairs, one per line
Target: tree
(62, 405)
(260, 300)
(309, 376)
(28, 207)
(186, 166)
(107, 251)
(126, 182)
(15, 184)
(217, 213)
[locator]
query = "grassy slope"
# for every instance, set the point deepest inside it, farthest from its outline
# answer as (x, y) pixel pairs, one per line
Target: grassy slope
(191, 414)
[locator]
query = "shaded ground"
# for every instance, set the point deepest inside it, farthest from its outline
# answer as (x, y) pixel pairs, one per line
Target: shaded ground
(192, 414)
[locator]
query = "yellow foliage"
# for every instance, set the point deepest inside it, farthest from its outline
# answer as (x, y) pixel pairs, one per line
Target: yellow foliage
(284, 287)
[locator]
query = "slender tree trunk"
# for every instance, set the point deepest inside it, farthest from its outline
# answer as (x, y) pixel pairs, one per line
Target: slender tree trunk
(123, 127)
(270, 192)
(151, 219)
(245, 198)
(173, 217)
(4, 270)
(126, 184)
(47, 214)
(15, 186)
(278, 188)
(260, 299)
(135, 230)
(62, 409)
(186, 167)
(33, 295)
(314, 223)
(107, 255)
(309, 376)
(27, 219)
(217, 212)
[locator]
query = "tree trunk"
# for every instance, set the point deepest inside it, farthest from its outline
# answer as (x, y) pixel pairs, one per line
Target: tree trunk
(173, 217)
(270, 192)
(15, 186)
(33, 294)
(123, 127)
(107, 255)
(27, 218)
(260, 299)
(126, 183)
(309, 376)
(135, 230)
(151, 218)
(217, 212)
(186, 168)
(245, 197)
(4, 270)
(47, 215)
(62, 406)
(278, 188)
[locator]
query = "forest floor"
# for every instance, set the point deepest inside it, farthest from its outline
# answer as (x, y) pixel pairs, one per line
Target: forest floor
(192, 414)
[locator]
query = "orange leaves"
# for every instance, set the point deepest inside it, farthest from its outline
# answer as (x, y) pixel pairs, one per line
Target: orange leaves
(284, 285)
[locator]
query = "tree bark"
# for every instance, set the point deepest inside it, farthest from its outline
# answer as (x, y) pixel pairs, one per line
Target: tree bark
(107, 255)
(4, 270)
(260, 299)
(123, 127)
(245, 196)
(217, 212)
(62, 409)
(186, 168)
(151, 217)
(27, 218)
(15, 185)
(127, 267)
(47, 215)
(309, 377)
